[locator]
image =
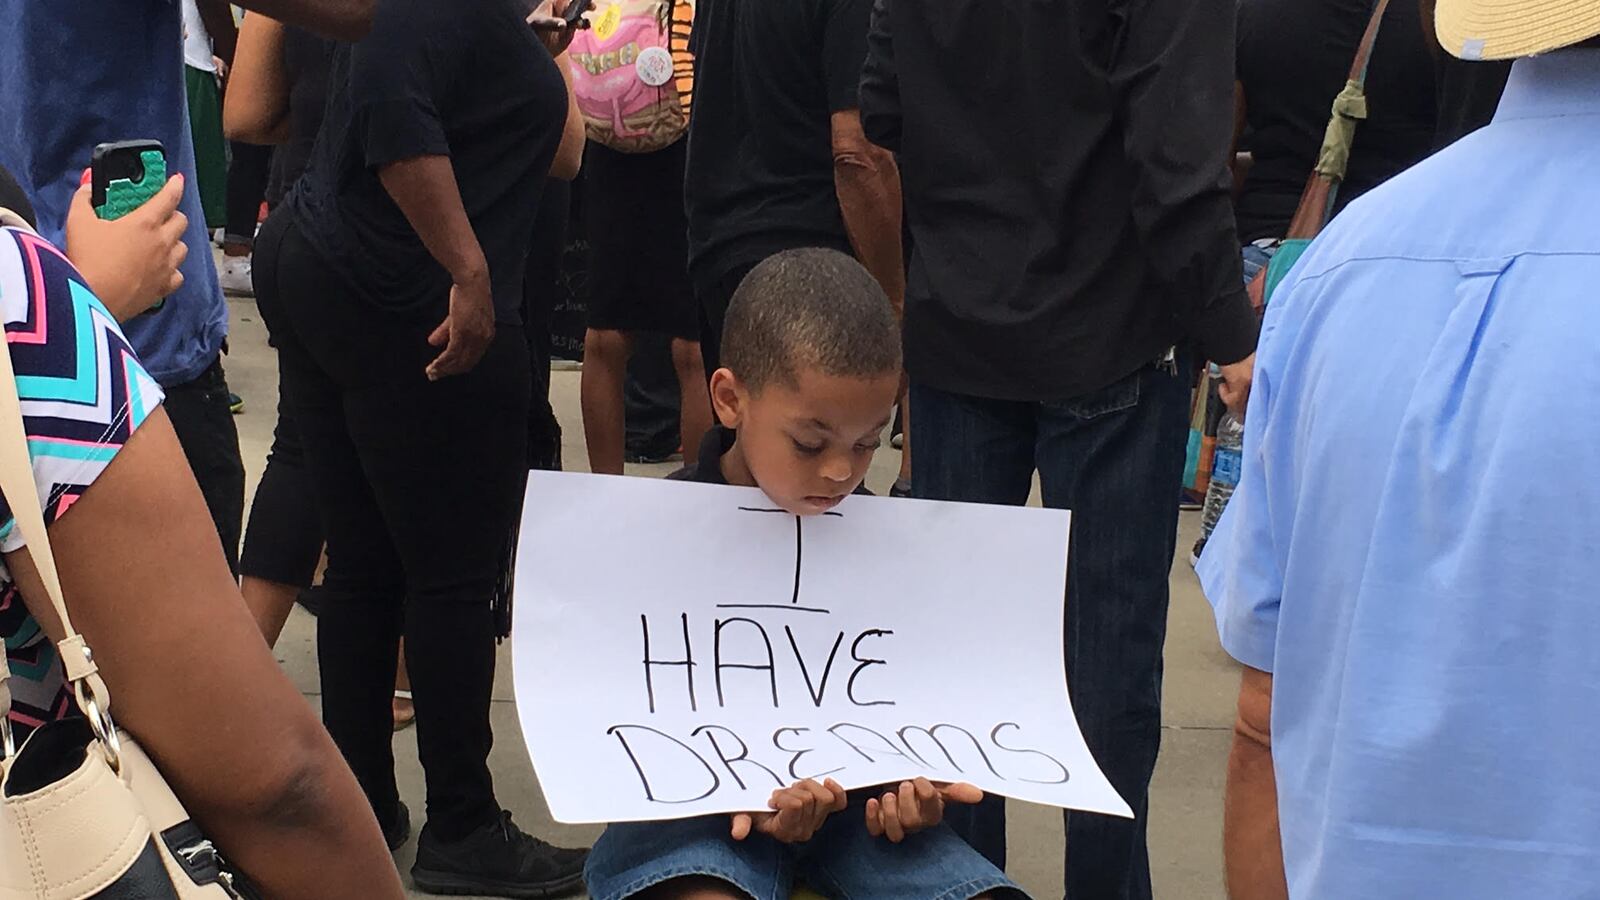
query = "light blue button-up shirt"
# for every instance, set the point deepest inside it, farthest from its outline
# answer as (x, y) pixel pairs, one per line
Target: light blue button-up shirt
(1414, 549)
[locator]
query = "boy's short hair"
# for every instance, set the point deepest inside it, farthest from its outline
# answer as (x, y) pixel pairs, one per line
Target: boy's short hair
(809, 308)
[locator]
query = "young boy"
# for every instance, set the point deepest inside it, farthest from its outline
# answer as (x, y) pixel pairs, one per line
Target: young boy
(811, 367)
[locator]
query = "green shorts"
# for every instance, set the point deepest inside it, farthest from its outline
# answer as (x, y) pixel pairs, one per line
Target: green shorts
(210, 148)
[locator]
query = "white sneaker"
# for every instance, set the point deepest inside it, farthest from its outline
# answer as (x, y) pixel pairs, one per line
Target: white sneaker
(235, 276)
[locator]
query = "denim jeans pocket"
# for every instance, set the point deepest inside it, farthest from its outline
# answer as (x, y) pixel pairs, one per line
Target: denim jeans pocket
(1115, 397)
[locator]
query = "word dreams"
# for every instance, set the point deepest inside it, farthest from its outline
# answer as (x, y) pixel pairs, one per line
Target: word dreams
(693, 765)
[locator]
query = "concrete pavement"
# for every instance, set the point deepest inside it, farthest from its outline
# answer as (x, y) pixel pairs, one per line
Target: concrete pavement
(1201, 681)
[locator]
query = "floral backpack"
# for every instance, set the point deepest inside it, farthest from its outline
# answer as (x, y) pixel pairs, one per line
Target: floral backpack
(632, 73)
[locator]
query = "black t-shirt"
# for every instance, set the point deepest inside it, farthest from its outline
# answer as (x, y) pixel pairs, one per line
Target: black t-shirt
(708, 467)
(306, 57)
(1294, 57)
(769, 76)
(466, 79)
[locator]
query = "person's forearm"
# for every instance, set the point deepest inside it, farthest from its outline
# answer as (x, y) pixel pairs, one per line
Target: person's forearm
(569, 155)
(294, 820)
(868, 186)
(256, 107)
(1252, 847)
(347, 20)
(218, 18)
(424, 188)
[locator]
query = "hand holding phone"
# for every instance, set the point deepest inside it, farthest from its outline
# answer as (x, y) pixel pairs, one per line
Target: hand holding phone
(124, 231)
(556, 29)
(124, 175)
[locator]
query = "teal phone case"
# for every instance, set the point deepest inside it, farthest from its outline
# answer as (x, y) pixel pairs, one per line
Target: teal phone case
(123, 196)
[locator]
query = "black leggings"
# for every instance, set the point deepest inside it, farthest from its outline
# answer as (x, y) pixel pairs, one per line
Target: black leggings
(283, 540)
(419, 485)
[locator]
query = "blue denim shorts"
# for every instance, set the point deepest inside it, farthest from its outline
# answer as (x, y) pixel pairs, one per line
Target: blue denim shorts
(841, 861)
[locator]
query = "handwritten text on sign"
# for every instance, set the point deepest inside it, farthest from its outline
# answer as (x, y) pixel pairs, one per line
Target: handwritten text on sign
(683, 649)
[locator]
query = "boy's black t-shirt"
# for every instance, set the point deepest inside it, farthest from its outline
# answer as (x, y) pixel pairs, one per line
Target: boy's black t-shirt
(708, 468)
(466, 79)
(770, 74)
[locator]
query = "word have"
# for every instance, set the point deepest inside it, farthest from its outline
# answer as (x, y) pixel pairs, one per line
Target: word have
(747, 642)
(684, 768)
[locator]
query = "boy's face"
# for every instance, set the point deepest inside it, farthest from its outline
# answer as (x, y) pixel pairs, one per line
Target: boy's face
(807, 445)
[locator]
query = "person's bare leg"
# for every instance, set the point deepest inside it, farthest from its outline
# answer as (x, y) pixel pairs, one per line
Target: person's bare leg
(270, 602)
(693, 887)
(695, 401)
(605, 365)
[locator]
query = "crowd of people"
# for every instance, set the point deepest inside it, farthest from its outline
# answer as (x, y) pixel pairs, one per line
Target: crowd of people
(1064, 234)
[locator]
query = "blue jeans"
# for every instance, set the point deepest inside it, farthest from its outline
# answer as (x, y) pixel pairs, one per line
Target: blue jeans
(1114, 457)
(841, 860)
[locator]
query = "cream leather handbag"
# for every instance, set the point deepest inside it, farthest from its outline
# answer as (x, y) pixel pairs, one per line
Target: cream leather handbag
(83, 812)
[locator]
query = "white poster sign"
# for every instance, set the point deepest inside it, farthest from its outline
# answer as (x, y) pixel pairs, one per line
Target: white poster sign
(683, 649)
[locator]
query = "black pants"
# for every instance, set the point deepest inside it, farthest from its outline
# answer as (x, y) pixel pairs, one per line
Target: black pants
(539, 287)
(199, 413)
(419, 485)
(248, 172)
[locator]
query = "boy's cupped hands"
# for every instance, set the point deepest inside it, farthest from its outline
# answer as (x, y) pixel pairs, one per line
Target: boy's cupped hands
(917, 806)
(797, 812)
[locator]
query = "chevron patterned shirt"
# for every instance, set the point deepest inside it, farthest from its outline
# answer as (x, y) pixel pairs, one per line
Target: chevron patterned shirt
(83, 393)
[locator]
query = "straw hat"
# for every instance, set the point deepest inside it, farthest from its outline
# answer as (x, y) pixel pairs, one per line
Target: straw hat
(1507, 29)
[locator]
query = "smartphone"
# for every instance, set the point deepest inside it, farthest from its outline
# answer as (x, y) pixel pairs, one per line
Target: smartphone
(574, 14)
(124, 175)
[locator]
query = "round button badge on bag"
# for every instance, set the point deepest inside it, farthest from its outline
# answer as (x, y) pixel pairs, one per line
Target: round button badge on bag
(654, 66)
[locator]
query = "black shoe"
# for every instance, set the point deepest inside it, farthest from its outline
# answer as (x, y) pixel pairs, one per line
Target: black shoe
(498, 860)
(901, 488)
(396, 833)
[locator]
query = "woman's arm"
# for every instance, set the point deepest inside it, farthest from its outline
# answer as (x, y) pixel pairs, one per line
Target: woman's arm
(191, 678)
(425, 189)
(255, 108)
(569, 156)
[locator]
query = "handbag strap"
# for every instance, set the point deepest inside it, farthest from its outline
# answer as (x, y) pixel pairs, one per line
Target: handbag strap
(22, 495)
(1333, 160)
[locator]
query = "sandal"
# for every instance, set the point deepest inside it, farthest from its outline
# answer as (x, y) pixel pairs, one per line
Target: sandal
(405, 712)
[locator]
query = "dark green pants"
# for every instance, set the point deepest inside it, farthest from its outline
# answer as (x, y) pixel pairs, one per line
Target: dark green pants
(210, 149)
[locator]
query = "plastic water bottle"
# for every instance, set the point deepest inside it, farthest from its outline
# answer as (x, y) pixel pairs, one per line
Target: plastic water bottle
(1224, 474)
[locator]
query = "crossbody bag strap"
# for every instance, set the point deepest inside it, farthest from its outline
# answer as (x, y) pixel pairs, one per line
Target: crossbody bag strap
(1333, 160)
(22, 495)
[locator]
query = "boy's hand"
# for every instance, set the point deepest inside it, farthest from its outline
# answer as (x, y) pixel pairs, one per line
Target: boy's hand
(132, 262)
(798, 811)
(918, 806)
